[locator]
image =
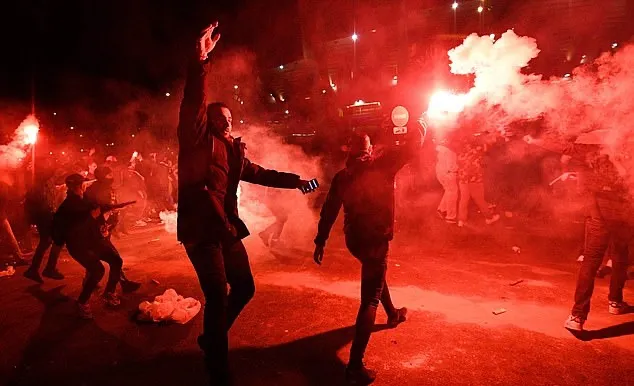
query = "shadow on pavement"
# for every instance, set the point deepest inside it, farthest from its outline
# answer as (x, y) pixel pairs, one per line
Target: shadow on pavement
(309, 361)
(622, 329)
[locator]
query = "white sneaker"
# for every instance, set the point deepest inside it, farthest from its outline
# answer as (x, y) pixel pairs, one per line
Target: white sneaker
(619, 308)
(574, 323)
(493, 219)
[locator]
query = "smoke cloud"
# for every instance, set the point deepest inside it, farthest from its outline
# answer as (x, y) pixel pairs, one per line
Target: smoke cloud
(12, 154)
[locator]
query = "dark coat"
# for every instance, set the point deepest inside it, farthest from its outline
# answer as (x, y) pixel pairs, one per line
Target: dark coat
(210, 169)
(365, 189)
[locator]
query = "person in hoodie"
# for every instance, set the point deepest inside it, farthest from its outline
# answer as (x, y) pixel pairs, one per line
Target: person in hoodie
(101, 193)
(365, 189)
(75, 225)
(211, 164)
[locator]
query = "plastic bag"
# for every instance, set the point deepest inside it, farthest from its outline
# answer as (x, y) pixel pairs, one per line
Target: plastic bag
(169, 307)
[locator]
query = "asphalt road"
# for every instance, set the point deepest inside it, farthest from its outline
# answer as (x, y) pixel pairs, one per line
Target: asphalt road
(298, 328)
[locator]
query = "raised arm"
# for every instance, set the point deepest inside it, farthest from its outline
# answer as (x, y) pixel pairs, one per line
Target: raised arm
(398, 156)
(192, 119)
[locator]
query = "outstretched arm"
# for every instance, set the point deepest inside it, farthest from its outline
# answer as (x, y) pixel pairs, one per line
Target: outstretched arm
(192, 119)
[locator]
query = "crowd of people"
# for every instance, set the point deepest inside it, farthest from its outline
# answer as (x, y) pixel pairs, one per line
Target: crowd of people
(101, 200)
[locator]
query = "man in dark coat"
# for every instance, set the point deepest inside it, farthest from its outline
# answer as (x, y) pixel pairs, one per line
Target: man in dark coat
(365, 189)
(211, 164)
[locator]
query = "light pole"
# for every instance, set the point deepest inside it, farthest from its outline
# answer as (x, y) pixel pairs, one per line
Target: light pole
(454, 6)
(354, 38)
(480, 9)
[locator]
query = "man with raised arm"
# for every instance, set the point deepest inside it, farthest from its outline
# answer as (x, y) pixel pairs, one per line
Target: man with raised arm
(211, 164)
(365, 189)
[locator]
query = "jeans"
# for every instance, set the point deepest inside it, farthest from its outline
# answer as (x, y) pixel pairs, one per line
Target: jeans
(449, 201)
(90, 257)
(216, 265)
(600, 233)
(475, 191)
(374, 290)
(44, 228)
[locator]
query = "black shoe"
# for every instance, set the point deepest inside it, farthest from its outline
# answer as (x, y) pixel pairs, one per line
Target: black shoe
(397, 318)
(53, 274)
(359, 375)
(128, 286)
(33, 275)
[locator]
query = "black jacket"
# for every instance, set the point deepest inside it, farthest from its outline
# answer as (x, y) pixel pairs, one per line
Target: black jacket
(210, 169)
(72, 223)
(365, 189)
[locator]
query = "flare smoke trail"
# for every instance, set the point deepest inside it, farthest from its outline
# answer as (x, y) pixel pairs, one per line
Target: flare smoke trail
(597, 95)
(12, 154)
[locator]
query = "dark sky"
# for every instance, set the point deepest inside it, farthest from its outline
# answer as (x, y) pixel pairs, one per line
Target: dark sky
(141, 42)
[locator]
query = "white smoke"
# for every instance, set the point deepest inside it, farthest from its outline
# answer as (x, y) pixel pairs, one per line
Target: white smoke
(169, 219)
(596, 96)
(12, 154)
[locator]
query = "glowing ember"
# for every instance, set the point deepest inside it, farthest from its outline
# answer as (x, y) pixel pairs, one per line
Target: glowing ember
(30, 130)
(443, 103)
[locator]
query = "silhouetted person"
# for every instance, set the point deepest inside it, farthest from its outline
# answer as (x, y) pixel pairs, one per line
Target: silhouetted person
(101, 193)
(211, 164)
(610, 222)
(365, 189)
(75, 224)
(40, 208)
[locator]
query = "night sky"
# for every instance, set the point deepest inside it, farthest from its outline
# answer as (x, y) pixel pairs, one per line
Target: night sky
(140, 42)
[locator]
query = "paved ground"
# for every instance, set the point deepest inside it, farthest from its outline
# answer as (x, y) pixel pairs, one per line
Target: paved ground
(297, 330)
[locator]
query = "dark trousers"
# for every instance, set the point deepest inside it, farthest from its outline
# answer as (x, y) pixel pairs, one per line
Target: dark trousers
(44, 228)
(374, 290)
(216, 265)
(90, 257)
(599, 234)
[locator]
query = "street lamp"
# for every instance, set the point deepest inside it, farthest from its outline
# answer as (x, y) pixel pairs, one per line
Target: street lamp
(355, 37)
(454, 6)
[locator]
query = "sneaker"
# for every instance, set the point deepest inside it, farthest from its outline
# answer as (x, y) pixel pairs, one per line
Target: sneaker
(574, 323)
(618, 308)
(53, 274)
(493, 219)
(33, 275)
(359, 375)
(580, 258)
(461, 224)
(128, 286)
(451, 220)
(111, 299)
(399, 317)
(84, 311)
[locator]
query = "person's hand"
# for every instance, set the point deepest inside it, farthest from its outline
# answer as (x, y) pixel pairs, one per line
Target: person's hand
(318, 255)
(207, 41)
(307, 186)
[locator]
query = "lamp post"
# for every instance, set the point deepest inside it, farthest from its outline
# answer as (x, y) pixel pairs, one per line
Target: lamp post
(454, 6)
